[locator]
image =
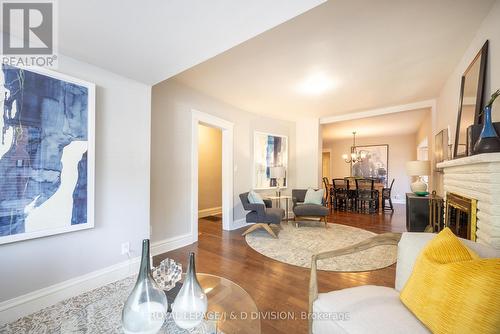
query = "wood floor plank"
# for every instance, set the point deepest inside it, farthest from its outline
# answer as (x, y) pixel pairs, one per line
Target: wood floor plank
(276, 286)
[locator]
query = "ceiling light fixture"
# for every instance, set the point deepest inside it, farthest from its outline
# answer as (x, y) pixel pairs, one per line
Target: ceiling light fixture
(316, 84)
(355, 156)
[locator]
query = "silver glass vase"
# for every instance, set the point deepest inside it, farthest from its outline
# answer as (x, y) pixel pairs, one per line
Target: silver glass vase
(146, 307)
(191, 304)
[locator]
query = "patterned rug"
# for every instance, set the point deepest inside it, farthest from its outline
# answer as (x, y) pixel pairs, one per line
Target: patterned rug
(296, 246)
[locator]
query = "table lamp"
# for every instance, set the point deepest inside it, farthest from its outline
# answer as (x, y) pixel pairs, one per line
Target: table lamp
(278, 173)
(418, 168)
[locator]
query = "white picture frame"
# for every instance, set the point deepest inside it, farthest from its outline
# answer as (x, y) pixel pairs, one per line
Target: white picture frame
(49, 221)
(269, 150)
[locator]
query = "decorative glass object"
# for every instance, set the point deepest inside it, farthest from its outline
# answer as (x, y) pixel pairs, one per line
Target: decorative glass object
(167, 274)
(146, 307)
(488, 141)
(190, 305)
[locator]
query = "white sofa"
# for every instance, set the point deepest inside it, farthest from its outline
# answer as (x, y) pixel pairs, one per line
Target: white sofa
(376, 309)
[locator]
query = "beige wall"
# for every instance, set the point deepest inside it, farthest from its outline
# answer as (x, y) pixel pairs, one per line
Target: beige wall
(172, 103)
(209, 167)
(423, 132)
(447, 102)
(402, 148)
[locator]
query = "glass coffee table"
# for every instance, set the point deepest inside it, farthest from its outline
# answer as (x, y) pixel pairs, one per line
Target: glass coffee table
(230, 310)
(230, 307)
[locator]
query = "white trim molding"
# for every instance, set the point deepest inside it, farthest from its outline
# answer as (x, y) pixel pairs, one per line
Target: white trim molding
(18, 307)
(167, 245)
(380, 111)
(239, 223)
(209, 212)
(198, 117)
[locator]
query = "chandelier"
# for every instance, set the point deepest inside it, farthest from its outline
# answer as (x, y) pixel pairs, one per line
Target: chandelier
(355, 156)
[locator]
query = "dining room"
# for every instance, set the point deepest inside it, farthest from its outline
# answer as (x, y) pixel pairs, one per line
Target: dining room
(364, 160)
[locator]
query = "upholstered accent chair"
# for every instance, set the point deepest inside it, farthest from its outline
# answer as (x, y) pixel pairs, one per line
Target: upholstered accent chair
(303, 211)
(262, 215)
(370, 308)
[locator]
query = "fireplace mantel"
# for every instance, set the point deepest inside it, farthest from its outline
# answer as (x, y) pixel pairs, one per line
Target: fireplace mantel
(478, 177)
(473, 159)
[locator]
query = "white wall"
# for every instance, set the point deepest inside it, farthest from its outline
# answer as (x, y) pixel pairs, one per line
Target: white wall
(121, 192)
(448, 99)
(402, 148)
(172, 103)
(308, 153)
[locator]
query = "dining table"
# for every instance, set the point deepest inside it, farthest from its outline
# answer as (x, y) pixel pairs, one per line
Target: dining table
(379, 186)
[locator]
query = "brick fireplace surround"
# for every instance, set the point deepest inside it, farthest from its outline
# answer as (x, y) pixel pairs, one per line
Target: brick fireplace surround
(478, 177)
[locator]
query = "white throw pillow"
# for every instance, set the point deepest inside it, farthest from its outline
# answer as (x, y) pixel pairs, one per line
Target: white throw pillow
(254, 198)
(314, 196)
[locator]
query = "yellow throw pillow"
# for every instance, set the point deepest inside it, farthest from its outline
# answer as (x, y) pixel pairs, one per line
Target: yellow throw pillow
(453, 290)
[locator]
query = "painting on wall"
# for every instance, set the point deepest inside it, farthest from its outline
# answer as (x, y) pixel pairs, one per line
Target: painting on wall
(269, 151)
(375, 165)
(46, 154)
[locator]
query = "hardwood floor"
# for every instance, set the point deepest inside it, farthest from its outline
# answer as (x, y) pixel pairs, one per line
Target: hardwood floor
(277, 286)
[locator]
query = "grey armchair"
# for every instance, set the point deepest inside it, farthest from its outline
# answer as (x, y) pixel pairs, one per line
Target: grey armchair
(262, 215)
(307, 211)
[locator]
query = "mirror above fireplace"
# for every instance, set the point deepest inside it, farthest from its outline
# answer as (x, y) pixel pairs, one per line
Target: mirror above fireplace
(471, 100)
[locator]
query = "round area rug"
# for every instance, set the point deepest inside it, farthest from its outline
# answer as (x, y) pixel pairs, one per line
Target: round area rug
(296, 246)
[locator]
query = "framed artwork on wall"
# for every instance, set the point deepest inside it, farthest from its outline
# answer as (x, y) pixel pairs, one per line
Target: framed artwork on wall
(269, 151)
(375, 165)
(47, 152)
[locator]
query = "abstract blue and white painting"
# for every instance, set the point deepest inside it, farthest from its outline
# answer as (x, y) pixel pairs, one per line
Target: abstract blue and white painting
(46, 153)
(269, 151)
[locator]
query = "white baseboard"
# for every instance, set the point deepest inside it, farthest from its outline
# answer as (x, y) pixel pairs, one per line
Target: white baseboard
(167, 245)
(239, 223)
(209, 212)
(399, 201)
(18, 307)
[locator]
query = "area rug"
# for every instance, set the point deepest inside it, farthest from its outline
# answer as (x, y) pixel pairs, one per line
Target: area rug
(296, 246)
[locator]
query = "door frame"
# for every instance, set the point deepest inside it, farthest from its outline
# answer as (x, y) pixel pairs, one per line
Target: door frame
(198, 117)
(329, 151)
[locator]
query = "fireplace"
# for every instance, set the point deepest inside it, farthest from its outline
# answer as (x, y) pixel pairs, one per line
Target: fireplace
(477, 177)
(461, 215)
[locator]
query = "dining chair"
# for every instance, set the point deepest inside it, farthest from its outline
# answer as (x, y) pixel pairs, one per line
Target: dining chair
(328, 193)
(341, 189)
(352, 193)
(386, 196)
(366, 194)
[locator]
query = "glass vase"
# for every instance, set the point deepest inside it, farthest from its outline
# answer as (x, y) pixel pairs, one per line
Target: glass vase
(488, 141)
(191, 304)
(146, 307)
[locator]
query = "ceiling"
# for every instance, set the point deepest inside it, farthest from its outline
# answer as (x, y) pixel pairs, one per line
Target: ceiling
(152, 40)
(344, 56)
(401, 123)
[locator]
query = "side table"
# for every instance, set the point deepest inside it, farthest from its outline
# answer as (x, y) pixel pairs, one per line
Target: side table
(277, 200)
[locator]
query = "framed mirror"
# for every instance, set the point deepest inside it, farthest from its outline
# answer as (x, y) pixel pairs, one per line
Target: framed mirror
(471, 100)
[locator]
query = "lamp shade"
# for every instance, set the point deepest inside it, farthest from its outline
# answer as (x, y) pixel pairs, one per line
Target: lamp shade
(277, 172)
(418, 168)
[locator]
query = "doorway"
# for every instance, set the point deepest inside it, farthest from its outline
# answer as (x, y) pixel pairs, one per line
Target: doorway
(326, 164)
(209, 177)
(225, 129)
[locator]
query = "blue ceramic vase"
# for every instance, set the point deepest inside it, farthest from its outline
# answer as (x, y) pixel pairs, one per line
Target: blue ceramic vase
(488, 141)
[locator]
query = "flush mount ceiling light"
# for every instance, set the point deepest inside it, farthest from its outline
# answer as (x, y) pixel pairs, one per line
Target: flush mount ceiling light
(316, 84)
